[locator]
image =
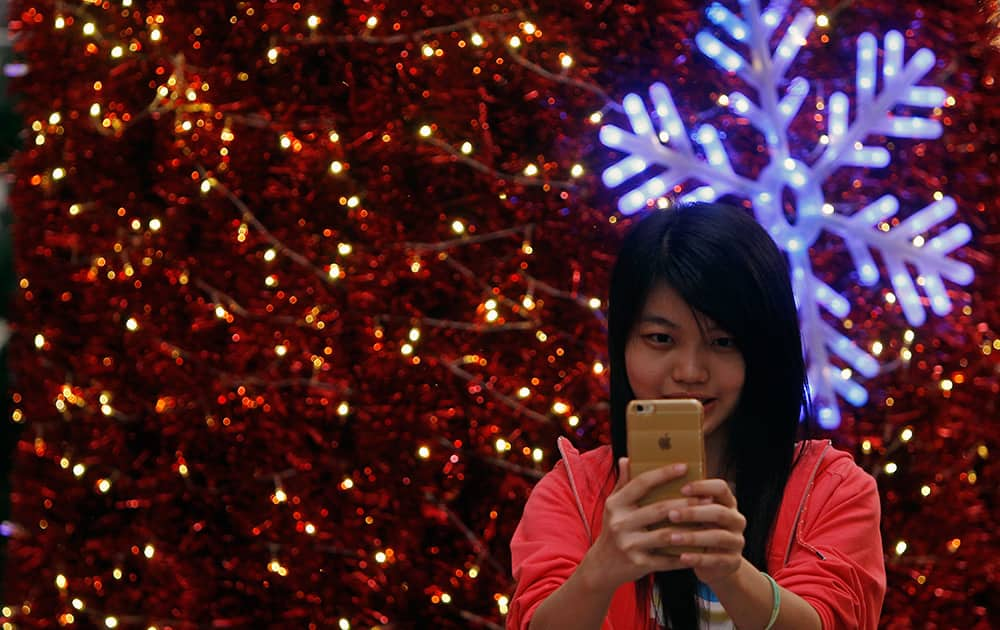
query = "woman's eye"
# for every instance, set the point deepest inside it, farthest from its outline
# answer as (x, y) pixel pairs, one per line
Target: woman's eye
(725, 342)
(659, 338)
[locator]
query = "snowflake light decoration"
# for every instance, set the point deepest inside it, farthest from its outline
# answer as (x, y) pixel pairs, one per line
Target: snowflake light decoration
(669, 145)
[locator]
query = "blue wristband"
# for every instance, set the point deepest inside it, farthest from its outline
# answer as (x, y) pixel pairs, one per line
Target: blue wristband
(776, 594)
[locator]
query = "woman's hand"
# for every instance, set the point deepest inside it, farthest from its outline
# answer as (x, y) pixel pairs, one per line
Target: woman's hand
(626, 549)
(721, 532)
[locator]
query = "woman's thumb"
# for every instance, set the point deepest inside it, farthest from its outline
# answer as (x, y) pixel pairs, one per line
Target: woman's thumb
(623, 477)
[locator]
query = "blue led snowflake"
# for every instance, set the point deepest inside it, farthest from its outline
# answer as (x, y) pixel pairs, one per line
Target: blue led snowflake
(664, 142)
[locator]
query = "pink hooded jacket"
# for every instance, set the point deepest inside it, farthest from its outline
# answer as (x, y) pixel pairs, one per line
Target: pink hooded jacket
(826, 546)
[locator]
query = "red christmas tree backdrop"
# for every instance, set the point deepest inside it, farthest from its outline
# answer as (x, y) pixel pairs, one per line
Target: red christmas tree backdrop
(309, 289)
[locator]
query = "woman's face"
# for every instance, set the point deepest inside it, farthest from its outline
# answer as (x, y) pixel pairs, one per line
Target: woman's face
(668, 355)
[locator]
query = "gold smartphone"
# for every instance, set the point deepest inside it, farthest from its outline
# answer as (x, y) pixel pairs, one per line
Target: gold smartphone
(660, 433)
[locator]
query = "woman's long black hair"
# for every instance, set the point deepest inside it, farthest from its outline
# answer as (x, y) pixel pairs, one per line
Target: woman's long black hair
(727, 268)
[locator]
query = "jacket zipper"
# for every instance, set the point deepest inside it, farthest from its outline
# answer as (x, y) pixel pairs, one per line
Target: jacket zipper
(796, 536)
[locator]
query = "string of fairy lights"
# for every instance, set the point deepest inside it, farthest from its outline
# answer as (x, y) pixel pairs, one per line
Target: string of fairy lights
(188, 98)
(183, 98)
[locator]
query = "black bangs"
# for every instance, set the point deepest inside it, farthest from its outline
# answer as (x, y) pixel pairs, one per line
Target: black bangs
(715, 265)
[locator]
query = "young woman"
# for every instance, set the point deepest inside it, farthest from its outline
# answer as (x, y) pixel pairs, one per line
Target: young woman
(701, 307)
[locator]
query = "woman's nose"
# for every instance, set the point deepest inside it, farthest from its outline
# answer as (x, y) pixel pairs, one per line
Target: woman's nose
(689, 367)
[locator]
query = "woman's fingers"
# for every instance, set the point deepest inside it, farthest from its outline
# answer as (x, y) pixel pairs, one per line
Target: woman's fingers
(633, 536)
(659, 512)
(712, 514)
(717, 489)
(712, 540)
(623, 477)
(643, 551)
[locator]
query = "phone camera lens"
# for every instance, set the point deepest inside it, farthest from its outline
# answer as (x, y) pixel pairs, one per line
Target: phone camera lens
(639, 408)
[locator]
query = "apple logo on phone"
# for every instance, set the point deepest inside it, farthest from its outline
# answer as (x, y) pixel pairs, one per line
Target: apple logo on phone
(664, 442)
